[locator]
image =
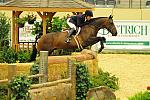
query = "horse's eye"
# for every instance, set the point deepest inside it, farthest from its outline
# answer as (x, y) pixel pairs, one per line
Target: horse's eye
(111, 21)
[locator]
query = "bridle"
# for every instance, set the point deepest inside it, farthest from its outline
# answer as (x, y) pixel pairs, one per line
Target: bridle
(110, 27)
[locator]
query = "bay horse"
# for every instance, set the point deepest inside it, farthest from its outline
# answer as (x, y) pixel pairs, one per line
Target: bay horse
(86, 37)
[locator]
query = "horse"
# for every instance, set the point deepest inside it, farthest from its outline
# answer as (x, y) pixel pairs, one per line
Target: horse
(86, 37)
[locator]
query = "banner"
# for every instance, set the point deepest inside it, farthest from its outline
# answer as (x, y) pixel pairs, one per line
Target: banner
(25, 33)
(131, 35)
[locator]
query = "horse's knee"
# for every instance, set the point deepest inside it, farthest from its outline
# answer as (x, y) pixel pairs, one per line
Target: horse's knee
(104, 39)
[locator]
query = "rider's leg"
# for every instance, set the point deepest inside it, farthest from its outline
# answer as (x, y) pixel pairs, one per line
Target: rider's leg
(78, 30)
(71, 25)
(71, 31)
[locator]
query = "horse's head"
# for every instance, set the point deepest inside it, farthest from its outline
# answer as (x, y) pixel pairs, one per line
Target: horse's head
(104, 22)
(109, 25)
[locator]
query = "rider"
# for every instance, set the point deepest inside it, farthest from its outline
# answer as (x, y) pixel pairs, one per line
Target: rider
(75, 22)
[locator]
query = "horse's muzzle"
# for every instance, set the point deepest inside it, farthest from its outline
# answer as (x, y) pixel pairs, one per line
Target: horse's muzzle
(115, 34)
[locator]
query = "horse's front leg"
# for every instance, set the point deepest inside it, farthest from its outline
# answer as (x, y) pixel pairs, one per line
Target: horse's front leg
(102, 41)
(94, 40)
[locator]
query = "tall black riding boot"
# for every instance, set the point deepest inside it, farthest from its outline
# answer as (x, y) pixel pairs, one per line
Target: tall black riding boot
(71, 32)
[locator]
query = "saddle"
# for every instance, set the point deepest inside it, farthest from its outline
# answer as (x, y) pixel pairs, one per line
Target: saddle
(71, 32)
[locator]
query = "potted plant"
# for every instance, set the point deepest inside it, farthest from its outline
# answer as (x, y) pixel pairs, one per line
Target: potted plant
(21, 21)
(31, 18)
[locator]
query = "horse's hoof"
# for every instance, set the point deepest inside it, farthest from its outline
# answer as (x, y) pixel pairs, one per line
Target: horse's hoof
(100, 50)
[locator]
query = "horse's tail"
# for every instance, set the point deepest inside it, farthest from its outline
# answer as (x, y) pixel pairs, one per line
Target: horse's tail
(33, 54)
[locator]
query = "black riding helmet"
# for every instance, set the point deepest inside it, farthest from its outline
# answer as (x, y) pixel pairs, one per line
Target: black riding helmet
(88, 13)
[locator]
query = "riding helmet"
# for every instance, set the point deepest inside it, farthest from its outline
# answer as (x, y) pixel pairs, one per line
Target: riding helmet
(89, 13)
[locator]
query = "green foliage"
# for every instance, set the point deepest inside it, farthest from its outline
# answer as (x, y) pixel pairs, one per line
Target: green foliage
(24, 56)
(82, 81)
(21, 20)
(8, 55)
(64, 23)
(141, 96)
(105, 79)
(34, 70)
(3, 92)
(4, 30)
(58, 24)
(31, 18)
(38, 29)
(19, 87)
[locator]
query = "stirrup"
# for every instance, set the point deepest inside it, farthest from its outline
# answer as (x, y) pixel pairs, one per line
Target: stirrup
(68, 40)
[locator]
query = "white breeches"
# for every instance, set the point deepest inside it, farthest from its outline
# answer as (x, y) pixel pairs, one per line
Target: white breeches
(71, 25)
(79, 29)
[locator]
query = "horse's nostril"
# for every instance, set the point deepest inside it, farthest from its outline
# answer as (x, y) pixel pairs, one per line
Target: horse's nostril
(115, 34)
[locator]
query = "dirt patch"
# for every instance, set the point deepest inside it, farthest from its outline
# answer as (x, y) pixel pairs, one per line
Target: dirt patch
(133, 71)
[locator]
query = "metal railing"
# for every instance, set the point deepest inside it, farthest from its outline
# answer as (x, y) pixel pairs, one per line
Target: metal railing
(120, 3)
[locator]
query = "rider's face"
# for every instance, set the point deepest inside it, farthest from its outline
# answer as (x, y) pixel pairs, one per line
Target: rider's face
(88, 17)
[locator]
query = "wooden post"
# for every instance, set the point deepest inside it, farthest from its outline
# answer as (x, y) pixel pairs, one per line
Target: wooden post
(11, 71)
(73, 80)
(13, 29)
(50, 15)
(17, 30)
(69, 68)
(44, 23)
(11, 74)
(43, 66)
(39, 13)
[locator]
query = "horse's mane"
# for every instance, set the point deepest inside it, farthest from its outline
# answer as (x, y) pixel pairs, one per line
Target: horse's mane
(91, 21)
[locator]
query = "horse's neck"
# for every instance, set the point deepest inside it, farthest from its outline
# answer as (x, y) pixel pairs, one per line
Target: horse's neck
(92, 28)
(88, 31)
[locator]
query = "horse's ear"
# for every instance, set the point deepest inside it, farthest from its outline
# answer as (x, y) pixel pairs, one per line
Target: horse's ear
(110, 17)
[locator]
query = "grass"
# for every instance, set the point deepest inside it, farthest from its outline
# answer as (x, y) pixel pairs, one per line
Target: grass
(140, 96)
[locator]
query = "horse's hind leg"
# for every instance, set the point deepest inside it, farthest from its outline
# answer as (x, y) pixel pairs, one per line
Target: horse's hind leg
(50, 51)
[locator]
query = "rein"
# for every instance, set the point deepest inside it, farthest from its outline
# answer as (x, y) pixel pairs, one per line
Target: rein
(78, 42)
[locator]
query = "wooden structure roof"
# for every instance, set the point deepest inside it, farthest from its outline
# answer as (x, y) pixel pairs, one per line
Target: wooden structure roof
(46, 5)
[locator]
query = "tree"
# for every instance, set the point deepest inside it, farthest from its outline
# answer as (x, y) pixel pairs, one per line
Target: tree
(4, 30)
